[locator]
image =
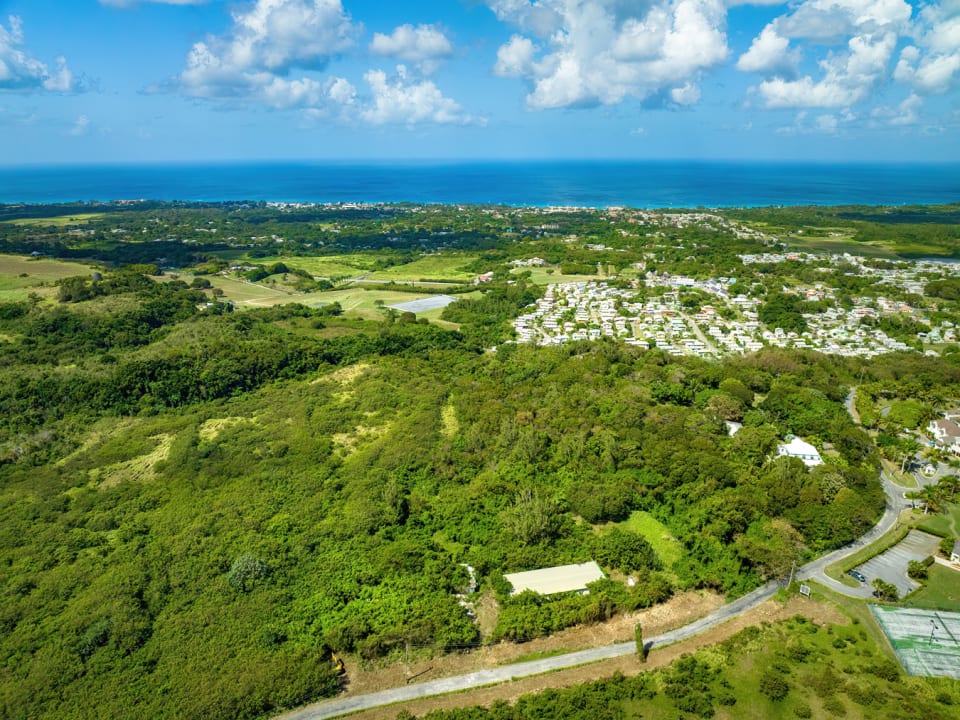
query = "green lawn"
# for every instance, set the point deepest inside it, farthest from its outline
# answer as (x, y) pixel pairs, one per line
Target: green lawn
(668, 548)
(941, 591)
(943, 523)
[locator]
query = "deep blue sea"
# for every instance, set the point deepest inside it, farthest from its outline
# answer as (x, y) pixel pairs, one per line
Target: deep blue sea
(654, 184)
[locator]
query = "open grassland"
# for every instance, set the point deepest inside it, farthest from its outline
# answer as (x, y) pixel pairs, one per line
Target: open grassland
(943, 523)
(438, 266)
(940, 591)
(667, 547)
(20, 276)
(58, 221)
(838, 244)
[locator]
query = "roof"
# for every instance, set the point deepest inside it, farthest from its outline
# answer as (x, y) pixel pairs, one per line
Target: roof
(549, 581)
(948, 427)
(798, 447)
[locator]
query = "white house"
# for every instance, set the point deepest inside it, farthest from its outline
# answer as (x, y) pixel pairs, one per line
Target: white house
(801, 450)
(946, 433)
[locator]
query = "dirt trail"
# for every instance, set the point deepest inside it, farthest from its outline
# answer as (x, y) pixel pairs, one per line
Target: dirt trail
(677, 612)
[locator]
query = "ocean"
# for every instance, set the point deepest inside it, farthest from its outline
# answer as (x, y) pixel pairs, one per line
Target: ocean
(649, 184)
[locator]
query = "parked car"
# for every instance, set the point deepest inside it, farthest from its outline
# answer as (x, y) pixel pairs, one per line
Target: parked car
(857, 575)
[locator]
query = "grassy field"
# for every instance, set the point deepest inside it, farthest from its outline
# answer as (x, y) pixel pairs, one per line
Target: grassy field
(668, 548)
(943, 523)
(440, 266)
(841, 244)
(20, 276)
(941, 591)
(58, 221)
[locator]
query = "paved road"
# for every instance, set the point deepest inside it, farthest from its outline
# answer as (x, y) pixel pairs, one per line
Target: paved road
(811, 571)
(344, 705)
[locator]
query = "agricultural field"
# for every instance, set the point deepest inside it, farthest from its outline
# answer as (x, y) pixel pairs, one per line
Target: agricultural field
(548, 275)
(20, 276)
(323, 266)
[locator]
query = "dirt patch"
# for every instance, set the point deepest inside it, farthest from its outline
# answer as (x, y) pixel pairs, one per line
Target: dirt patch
(678, 611)
(138, 469)
(212, 428)
(770, 611)
(345, 376)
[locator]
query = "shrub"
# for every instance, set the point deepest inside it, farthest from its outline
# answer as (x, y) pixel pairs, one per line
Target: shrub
(245, 571)
(773, 685)
(835, 707)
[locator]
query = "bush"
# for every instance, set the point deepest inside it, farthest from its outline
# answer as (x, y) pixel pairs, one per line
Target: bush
(803, 711)
(773, 685)
(835, 707)
(245, 571)
(917, 570)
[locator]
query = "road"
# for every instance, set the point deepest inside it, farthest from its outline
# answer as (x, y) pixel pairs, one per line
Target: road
(406, 693)
(814, 570)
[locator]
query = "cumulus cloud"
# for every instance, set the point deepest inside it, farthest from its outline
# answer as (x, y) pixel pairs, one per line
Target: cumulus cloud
(19, 71)
(81, 127)
(404, 100)
(870, 30)
(424, 45)
(932, 66)
(266, 41)
(769, 53)
(591, 52)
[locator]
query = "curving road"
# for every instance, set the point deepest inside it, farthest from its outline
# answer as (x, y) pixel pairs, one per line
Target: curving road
(811, 571)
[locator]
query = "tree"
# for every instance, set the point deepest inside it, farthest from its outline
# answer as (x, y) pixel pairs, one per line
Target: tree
(773, 547)
(884, 590)
(245, 571)
(638, 637)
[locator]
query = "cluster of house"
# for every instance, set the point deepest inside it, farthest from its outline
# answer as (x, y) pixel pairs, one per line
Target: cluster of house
(731, 325)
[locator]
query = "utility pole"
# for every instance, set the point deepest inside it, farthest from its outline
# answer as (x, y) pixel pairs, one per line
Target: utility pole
(406, 661)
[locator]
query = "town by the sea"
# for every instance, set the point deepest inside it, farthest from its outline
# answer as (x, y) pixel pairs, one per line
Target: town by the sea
(649, 184)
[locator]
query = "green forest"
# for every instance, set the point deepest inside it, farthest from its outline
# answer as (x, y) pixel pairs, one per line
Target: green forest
(199, 504)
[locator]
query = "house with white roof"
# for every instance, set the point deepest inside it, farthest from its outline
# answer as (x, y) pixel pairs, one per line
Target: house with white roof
(801, 450)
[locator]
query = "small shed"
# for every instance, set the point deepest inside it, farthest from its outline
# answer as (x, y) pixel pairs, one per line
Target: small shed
(550, 581)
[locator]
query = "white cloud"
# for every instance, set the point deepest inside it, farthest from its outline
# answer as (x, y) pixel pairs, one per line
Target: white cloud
(402, 100)
(20, 71)
(515, 58)
(423, 45)
(689, 94)
(81, 127)
(769, 53)
(267, 40)
(604, 51)
(933, 68)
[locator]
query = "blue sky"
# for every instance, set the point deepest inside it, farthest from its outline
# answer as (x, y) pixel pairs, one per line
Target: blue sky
(93, 81)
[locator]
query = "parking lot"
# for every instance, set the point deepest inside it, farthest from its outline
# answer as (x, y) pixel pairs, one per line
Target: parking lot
(891, 565)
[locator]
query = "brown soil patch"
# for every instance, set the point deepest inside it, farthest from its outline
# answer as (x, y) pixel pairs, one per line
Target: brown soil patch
(770, 611)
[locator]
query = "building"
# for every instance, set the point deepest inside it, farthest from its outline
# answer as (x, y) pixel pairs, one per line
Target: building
(955, 554)
(801, 450)
(550, 581)
(946, 434)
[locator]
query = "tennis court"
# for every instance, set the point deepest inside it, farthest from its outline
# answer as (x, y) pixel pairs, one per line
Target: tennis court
(927, 642)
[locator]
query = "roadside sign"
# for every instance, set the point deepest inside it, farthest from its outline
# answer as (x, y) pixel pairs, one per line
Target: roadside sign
(805, 590)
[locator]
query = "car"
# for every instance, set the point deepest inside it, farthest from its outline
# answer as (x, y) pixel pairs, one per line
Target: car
(857, 575)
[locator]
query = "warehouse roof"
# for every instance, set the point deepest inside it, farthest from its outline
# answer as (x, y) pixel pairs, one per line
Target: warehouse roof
(549, 581)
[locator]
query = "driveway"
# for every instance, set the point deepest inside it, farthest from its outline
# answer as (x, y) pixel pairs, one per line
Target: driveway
(891, 565)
